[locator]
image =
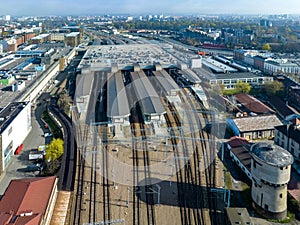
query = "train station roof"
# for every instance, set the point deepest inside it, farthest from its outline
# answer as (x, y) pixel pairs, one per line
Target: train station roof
(191, 76)
(146, 94)
(166, 81)
(117, 102)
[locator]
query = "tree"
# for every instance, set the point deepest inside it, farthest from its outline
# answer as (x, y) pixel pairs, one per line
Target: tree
(64, 103)
(242, 87)
(55, 149)
(266, 47)
(273, 87)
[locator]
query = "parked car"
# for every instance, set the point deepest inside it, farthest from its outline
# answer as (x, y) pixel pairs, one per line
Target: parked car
(47, 135)
(34, 167)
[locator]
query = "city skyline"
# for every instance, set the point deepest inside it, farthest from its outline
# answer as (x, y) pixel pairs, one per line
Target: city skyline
(88, 7)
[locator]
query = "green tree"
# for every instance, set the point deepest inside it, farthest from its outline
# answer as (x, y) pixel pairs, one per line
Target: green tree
(266, 47)
(63, 103)
(55, 149)
(242, 87)
(273, 87)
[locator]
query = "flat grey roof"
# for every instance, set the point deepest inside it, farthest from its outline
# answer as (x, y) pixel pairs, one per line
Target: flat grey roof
(9, 113)
(146, 94)
(105, 56)
(236, 76)
(117, 102)
(166, 81)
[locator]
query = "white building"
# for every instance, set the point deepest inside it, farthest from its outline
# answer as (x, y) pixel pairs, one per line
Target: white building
(270, 170)
(280, 66)
(15, 124)
(18, 86)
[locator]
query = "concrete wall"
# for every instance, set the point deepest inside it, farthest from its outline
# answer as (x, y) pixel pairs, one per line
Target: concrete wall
(271, 199)
(271, 174)
(269, 187)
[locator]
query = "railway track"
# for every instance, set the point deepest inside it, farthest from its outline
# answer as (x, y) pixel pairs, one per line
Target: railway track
(190, 174)
(173, 122)
(210, 171)
(138, 130)
(92, 199)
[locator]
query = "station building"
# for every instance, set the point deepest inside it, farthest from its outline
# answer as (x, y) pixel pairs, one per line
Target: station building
(15, 124)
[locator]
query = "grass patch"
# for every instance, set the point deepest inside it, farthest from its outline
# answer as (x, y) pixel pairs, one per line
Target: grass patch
(56, 131)
(230, 92)
(289, 218)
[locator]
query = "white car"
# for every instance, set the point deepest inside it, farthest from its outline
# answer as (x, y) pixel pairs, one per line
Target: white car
(47, 135)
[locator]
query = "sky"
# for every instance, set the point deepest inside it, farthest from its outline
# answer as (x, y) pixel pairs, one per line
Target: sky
(88, 7)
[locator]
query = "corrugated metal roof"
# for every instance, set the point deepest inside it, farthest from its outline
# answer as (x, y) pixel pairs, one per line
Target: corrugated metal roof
(146, 94)
(117, 102)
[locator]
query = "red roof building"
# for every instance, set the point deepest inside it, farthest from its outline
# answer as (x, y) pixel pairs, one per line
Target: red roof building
(253, 105)
(28, 201)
